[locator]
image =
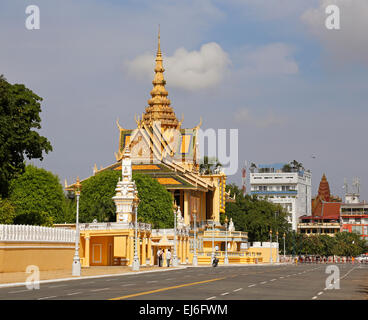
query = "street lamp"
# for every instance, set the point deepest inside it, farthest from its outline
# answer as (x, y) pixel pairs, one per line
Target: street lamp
(195, 259)
(76, 268)
(271, 261)
(175, 257)
(226, 260)
(277, 241)
(284, 245)
(213, 240)
(135, 264)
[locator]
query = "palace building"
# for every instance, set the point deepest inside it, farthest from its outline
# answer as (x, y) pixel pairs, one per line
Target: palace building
(160, 147)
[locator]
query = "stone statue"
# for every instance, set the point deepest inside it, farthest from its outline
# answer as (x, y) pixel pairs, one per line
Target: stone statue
(231, 225)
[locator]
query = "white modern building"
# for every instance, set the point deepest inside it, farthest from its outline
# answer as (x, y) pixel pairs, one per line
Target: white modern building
(292, 190)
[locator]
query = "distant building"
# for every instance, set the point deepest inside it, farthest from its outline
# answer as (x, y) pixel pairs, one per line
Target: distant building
(325, 218)
(289, 188)
(354, 215)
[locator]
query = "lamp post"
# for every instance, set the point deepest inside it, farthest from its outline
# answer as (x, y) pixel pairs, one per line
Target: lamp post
(135, 264)
(284, 245)
(213, 240)
(271, 261)
(226, 260)
(76, 268)
(277, 241)
(175, 257)
(195, 259)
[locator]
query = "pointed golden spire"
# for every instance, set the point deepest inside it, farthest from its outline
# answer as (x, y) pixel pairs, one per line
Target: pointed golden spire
(159, 108)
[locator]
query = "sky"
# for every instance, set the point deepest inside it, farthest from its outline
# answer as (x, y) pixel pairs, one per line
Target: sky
(269, 68)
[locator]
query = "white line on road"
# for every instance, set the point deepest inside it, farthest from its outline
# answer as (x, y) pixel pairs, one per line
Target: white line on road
(100, 289)
(111, 279)
(210, 298)
(128, 284)
(252, 285)
(281, 277)
(225, 293)
(315, 297)
(319, 293)
(61, 285)
(152, 281)
(18, 291)
(263, 282)
(237, 289)
(273, 279)
(73, 293)
(46, 297)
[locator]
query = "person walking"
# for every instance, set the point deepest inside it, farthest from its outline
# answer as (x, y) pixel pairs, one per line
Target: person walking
(159, 256)
(168, 257)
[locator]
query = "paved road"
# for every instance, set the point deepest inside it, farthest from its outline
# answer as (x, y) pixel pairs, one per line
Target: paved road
(285, 282)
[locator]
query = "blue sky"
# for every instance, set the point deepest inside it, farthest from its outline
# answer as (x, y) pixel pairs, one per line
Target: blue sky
(267, 67)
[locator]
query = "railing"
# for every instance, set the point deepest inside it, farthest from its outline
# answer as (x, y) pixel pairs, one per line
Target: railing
(220, 233)
(35, 233)
(113, 226)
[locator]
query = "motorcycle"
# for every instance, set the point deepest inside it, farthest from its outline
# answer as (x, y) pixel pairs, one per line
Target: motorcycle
(215, 262)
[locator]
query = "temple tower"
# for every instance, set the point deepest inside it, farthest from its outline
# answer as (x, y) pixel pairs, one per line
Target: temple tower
(125, 191)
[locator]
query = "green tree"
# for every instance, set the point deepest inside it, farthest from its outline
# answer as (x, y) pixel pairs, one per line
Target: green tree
(96, 202)
(19, 115)
(38, 197)
(256, 216)
(7, 212)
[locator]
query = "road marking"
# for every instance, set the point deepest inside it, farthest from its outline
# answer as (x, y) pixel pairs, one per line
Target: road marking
(18, 291)
(169, 279)
(88, 282)
(128, 284)
(94, 290)
(111, 279)
(237, 289)
(167, 288)
(319, 293)
(71, 294)
(273, 279)
(153, 281)
(263, 282)
(315, 297)
(252, 285)
(46, 297)
(61, 285)
(281, 277)
(210, 298)
(225, 293)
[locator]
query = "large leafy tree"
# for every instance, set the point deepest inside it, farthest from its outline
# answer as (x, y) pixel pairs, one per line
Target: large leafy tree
(7, 212)
(96, 202)
(37, 196)
(19, 117)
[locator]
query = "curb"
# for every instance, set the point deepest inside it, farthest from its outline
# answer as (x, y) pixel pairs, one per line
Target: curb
(16, 284)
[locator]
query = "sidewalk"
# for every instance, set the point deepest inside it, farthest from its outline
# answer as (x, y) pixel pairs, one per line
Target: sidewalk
(19, 278)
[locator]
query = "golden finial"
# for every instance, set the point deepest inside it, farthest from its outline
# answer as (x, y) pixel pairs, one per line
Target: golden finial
(159, 44)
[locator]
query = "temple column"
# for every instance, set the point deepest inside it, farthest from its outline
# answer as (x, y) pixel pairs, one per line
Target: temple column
(131, 250)
(86, 251)
(179, 249)
(149, 251)
(187, 249)
(144, 250)
(184, 250)
(186, 208)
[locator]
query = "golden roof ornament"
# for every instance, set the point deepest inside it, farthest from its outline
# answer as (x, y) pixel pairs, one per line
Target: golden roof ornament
(159, 108)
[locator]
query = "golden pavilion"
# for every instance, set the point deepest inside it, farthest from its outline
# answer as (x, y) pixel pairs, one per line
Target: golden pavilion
(160, 147)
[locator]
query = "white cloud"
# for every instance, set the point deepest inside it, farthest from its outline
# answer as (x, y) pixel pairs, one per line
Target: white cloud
(271, 59)
(190, 70)
(350, 43)
(244, 116)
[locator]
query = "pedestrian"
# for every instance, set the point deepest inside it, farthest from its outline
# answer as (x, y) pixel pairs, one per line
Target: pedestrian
(168, 257)
(159, 256)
